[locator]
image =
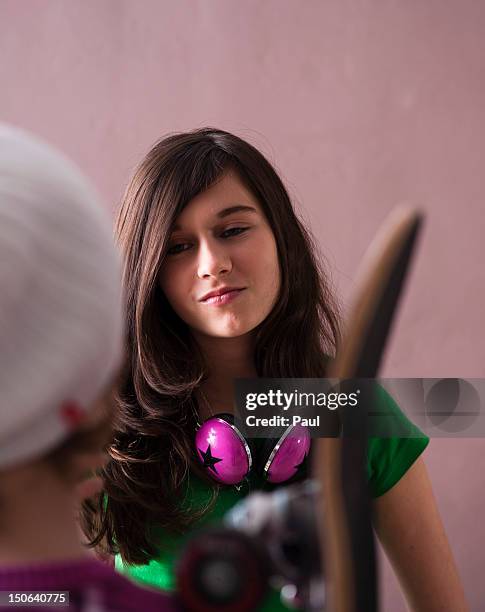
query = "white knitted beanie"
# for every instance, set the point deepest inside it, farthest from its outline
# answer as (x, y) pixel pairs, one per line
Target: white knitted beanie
(60, 296)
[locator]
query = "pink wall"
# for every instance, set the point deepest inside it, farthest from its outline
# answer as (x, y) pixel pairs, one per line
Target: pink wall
(359, 104)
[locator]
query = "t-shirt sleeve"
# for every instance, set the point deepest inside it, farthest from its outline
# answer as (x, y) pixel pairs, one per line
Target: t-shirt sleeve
(389, 457)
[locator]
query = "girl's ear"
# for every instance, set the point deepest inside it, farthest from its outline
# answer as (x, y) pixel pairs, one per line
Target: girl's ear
(83, 470)
(82, 453)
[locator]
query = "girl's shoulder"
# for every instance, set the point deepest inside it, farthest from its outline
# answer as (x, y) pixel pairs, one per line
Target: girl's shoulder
(394, 444)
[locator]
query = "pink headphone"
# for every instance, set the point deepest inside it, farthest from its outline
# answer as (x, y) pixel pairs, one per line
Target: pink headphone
(229, 457)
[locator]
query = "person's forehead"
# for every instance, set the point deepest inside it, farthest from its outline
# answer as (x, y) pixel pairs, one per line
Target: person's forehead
(227, 196)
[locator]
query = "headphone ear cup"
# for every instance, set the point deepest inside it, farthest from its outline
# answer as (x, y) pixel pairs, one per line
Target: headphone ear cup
(281, 458)
(223, 451)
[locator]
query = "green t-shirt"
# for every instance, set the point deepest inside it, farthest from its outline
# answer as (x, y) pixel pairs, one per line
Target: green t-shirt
(387, 460)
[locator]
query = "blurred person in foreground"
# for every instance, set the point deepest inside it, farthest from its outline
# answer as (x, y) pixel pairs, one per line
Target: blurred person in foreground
(61, 332)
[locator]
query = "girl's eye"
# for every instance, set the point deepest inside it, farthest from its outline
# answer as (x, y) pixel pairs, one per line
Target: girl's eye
(178, 248)
(234, 231)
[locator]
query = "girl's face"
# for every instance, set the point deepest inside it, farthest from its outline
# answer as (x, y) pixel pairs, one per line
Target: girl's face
(221, 272)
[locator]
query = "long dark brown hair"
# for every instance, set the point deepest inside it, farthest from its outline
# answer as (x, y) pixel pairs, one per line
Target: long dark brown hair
(152, 451)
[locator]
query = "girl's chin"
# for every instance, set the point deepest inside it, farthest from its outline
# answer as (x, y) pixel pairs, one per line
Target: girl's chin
(225, 331)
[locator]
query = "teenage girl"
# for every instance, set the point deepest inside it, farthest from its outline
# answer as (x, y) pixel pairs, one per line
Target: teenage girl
(222, 281)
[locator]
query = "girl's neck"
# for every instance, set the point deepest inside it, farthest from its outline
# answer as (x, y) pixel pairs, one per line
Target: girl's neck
(38, 518)
(226, 359)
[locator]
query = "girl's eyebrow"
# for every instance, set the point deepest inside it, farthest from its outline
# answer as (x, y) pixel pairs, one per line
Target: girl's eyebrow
(233, 209)
(225, 212)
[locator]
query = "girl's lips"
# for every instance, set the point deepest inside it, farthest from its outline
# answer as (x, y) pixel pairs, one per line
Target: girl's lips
(225, 298)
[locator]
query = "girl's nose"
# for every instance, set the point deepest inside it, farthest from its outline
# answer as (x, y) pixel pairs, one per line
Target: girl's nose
(213, 261)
